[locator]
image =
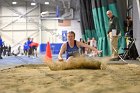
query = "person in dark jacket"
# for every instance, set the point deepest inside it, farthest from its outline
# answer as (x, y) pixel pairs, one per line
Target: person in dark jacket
(113, 33)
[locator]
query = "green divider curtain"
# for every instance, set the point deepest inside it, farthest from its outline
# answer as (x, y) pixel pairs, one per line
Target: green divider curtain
(87, 23)
(100, 23)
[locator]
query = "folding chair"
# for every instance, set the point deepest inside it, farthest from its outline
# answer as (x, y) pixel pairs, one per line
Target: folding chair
(127, 50)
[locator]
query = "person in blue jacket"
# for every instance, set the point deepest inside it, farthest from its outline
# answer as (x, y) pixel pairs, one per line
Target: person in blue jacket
(1, 47)
(25, 48)
(29, 41)
(71, 47)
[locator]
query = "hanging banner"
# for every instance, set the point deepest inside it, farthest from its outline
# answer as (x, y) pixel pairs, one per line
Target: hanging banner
(64, 35)
(57, 11)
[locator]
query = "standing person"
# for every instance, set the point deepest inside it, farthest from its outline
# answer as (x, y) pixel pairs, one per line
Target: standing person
(93, 42)
(34, 46)
(82, 49)
(71, 47)
(35, 50)
(31, 48)
(87, 49)
(29, 41)
(25, 48)
(1, 47)
(9, 50)
(113, 33)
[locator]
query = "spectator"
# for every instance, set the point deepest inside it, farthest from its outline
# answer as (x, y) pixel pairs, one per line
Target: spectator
(1, 47)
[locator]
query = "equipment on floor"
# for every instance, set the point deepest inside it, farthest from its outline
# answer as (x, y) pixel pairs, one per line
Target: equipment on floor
(130, 51)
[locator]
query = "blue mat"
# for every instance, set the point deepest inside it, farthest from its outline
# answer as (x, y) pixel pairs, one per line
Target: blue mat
(12, 61)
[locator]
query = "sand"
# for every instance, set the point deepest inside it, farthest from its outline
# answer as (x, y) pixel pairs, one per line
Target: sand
(77, 63)
(40, 79)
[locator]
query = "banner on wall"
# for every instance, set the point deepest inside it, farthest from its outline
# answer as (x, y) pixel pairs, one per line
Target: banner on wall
(57, 11)
(64, 35)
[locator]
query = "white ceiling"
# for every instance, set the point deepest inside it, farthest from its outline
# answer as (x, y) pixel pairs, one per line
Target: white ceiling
(53, 3)
(62, 4)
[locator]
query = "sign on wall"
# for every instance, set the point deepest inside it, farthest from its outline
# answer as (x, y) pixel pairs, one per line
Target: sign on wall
(64, 35)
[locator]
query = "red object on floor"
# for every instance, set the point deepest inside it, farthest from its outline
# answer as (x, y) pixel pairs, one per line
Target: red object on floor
(48, 52)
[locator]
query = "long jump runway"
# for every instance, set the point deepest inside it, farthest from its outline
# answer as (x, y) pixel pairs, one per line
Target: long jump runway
(12, 61)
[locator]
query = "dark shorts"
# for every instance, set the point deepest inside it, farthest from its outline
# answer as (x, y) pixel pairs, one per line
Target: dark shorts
(34, 48)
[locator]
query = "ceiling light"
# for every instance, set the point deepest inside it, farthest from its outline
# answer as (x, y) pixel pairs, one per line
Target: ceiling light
(33, 3)
(46, 3)
(14, 3)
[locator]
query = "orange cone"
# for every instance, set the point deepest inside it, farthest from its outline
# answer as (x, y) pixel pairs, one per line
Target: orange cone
(48, 52)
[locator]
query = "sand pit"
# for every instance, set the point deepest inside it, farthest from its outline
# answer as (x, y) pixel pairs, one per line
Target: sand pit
(40, 79)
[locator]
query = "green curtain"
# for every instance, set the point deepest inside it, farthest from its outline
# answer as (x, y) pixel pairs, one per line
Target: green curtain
(99, 8)
(87, 23)
(94, 23)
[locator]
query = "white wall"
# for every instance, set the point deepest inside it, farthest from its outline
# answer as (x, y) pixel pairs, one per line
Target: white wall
(14, 28)
(136, 23)
(54, 32)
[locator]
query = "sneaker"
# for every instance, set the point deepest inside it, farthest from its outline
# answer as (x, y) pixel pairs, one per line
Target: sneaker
(1, 58)
(138, 59)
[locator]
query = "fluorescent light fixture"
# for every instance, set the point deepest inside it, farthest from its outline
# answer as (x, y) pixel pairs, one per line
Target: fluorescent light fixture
(33, 3)
(46, 3)
(14, 3)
